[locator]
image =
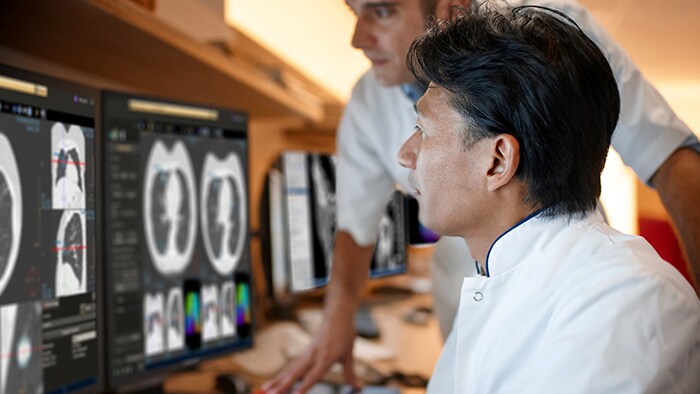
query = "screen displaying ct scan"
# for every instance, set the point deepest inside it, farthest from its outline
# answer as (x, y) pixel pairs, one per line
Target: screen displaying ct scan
(48, 308)
(178, 260)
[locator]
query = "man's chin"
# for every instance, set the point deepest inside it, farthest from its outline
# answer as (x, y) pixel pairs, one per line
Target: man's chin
(385, 77)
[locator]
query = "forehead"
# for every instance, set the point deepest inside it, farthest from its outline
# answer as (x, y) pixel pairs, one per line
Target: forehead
(434, 100)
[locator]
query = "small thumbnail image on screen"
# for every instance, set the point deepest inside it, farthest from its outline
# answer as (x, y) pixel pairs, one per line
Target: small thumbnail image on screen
(71, 254)
(21, 348)
(68, 162)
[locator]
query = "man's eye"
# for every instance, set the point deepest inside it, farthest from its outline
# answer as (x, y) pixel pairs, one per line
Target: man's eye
(383, 12)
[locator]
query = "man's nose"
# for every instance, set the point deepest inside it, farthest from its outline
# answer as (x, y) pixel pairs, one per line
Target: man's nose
(362, 38)
(408, 153)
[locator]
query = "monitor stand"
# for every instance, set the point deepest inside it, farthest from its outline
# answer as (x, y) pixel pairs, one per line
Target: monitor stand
(365, 325)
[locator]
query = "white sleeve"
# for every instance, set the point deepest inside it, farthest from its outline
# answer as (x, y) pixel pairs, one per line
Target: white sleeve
(362, 181)
(648, 131)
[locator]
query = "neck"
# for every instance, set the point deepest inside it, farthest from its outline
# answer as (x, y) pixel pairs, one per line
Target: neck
(497, 223)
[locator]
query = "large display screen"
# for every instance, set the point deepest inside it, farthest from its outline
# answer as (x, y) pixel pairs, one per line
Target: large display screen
(48, 279)
(177, 254)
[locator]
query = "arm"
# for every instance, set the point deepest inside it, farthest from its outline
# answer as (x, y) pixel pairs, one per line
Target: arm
(335, 340)
(678, 184)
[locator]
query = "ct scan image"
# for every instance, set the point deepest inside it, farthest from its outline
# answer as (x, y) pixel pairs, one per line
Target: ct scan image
(322, 180)
(10, 211)
(223, 212)
(388, 251)
(210, 313)
(68, 167)
(20, 346)
(175, 320)
(153, 330)
(71, 252)
(169, 207)
(228, 309)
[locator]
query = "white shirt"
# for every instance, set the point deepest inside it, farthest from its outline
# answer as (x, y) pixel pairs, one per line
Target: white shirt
(572, 307)
(377, 121)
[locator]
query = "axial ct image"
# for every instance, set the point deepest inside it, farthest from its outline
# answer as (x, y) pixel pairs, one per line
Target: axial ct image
(71, 261)
(223, 211)
(210, 311)
(20, 346)
(68, 167)
(169, 207)
(10, 211)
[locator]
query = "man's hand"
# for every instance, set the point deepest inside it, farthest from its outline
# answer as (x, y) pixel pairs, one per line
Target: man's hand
(334, 344)
(335, 340)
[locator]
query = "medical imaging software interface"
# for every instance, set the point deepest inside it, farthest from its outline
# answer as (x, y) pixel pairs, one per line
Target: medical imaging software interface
(178, 265)
(48, 315)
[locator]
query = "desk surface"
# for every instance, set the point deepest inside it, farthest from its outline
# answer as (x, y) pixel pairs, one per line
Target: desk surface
(416, 347)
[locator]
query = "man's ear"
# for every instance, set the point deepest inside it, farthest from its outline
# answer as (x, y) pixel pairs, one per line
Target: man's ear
(505, 158)
(443, 7)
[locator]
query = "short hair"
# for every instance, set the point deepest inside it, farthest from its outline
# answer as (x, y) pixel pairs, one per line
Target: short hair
(532, 73)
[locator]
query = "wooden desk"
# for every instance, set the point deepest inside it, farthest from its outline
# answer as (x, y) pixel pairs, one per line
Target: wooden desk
(416, 348)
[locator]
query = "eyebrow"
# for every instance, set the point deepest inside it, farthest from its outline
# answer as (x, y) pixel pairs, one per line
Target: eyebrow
(376, 4)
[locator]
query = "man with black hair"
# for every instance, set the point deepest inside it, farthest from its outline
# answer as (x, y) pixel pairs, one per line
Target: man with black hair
(380, 116)
(511, 138)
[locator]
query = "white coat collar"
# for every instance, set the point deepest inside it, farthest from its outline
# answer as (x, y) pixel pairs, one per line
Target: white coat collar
(531, 234)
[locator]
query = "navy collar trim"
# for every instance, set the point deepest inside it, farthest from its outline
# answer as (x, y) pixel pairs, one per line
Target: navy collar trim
(530, 216)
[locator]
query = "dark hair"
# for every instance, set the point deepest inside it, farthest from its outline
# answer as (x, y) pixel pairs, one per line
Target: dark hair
(532, 73)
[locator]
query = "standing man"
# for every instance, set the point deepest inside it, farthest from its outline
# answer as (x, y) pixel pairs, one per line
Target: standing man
(379, 118)
(508, 157)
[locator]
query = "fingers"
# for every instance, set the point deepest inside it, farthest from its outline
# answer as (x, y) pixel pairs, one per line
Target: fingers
(349, 372)
(283, 382)
(316, 373)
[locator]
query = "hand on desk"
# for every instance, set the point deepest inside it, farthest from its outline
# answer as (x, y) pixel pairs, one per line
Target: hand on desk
(334, 343)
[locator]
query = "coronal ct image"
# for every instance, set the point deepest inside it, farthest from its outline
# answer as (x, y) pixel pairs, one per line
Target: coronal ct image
(153, 330)
(10, 211)
(175, 320)
(322, 168)
(68, 167)
(223, 211)
(228, 309)
(169, 207)
(387, 252)
(71, 252)
(20, 364)
(210, 313)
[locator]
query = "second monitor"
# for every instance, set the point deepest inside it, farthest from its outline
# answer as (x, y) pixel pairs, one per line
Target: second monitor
(177, 254)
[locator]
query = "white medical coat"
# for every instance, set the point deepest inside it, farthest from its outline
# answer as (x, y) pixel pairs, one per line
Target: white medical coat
(572, 307)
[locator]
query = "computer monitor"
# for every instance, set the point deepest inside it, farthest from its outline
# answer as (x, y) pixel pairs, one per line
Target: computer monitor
(178, 270)
(49, 323)
(310, 210)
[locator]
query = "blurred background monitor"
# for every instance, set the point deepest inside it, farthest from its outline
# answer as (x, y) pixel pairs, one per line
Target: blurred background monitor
(49, 324)
(300, 211)
(419, 235)
(178, 269)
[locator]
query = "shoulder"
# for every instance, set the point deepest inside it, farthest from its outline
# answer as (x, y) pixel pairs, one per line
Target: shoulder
(623, 274)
